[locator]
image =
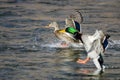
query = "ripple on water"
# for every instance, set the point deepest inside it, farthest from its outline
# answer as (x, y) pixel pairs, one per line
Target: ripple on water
(29, 51)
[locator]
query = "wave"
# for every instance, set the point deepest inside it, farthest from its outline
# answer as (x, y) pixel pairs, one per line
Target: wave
(114, 44)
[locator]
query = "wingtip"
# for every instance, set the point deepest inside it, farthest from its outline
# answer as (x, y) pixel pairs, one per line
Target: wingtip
(80, 14)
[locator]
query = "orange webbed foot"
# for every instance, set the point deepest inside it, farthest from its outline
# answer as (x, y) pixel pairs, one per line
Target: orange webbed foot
(81, 61)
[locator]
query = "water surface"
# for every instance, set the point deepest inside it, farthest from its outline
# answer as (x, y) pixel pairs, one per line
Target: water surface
(29, 51)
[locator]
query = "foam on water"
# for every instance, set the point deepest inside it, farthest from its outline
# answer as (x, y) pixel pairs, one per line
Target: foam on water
(59, 45)
(114, 44)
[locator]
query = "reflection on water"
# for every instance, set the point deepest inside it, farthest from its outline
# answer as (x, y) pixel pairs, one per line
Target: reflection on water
(29, 51)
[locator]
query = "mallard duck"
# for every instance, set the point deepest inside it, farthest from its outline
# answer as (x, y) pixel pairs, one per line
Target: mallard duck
(95, 46)
(62, 34)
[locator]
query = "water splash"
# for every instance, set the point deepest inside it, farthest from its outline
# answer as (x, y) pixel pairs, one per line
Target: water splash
(55, 45)
(59, 45)
(114, 44)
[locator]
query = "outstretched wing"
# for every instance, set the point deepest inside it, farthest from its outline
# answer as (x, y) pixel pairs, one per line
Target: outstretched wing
(72, 23)
(75, 21)
(69, 22)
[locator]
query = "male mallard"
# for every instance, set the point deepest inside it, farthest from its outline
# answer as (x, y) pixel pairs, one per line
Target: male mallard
(95, 46)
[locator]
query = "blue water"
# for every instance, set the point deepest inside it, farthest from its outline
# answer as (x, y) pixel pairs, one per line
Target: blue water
(29, 51)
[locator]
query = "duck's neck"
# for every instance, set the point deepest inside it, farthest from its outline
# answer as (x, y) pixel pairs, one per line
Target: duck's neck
(56, 27)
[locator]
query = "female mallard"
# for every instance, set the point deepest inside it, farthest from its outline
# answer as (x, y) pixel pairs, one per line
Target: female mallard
(72, 26)
(62, 34)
